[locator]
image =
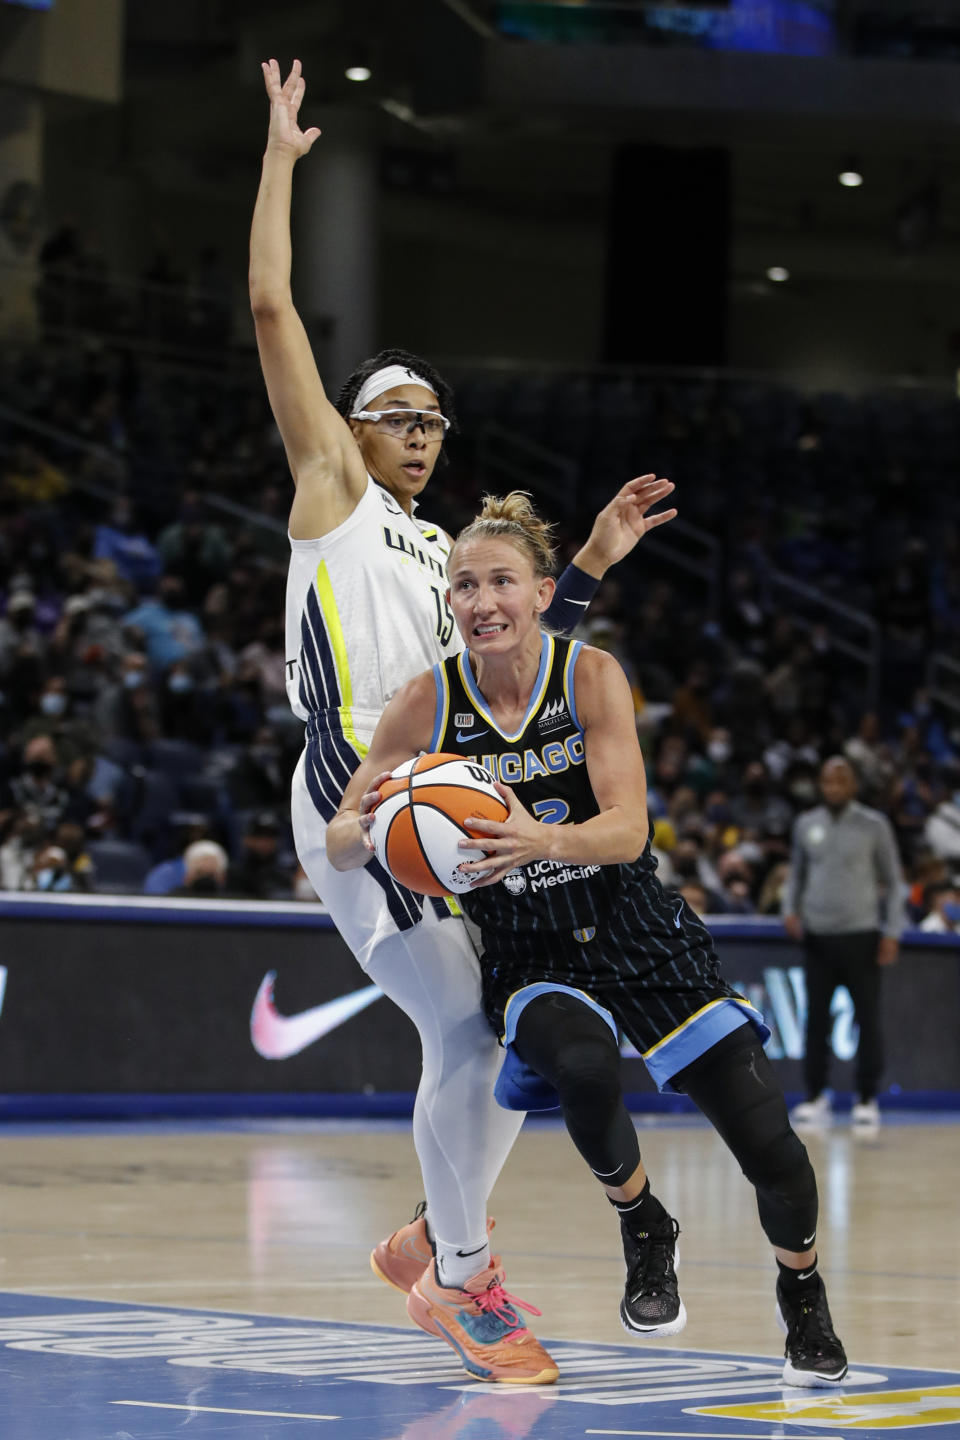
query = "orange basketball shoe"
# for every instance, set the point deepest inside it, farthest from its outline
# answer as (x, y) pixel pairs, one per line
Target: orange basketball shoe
(481, 1323)
(402, 1258)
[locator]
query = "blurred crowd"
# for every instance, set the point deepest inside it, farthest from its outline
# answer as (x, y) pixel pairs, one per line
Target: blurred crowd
(146, 744)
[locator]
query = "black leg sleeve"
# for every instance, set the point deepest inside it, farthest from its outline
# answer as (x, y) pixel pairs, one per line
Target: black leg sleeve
(735, 1086)
(573, 1049)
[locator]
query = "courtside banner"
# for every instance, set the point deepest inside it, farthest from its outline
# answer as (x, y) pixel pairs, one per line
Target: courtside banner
(128, 996)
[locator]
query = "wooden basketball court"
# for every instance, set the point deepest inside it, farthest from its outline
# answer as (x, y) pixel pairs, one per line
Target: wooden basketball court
(276, 1219)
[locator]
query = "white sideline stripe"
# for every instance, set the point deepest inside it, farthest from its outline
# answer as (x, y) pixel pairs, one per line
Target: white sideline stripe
(222, 1410)
(17, 899)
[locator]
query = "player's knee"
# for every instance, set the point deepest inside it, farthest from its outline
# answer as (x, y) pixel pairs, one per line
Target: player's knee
(587, 1077)
(780, 1167)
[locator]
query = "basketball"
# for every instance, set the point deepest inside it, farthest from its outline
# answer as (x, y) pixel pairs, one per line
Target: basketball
(419, 821)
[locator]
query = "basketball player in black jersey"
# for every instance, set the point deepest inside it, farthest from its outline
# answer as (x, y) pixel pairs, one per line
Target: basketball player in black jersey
(579, 940)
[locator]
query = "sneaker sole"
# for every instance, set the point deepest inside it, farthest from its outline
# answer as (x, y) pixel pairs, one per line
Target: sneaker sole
(418, 1308)
(807, 1379)
(671, 1327)
(382, 1275)
(811, 1379)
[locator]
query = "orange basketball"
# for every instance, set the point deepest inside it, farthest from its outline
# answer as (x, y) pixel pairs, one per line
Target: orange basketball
(419, 821)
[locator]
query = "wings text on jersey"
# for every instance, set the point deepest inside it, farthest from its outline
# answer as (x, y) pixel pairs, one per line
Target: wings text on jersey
(395, 540)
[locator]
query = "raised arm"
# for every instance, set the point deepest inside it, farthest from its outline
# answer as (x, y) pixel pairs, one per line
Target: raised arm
(617, 528)
(323, 457)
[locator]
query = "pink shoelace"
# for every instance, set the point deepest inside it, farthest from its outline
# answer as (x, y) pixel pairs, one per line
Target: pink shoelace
(501, 1303)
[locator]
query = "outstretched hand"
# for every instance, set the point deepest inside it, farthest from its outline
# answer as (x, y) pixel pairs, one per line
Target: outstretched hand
(622, 522)
(285, 97)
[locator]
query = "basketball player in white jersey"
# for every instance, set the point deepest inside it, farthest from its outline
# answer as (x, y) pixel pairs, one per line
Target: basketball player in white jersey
(366, 611)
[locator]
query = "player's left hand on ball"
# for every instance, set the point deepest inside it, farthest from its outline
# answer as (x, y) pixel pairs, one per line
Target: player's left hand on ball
(506, 843)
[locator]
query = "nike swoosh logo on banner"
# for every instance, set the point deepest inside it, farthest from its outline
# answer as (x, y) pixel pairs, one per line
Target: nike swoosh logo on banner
(277, 1037)
(470, 735)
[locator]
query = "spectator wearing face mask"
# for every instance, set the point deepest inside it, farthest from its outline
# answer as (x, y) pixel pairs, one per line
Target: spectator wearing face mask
(184, 711)
(23, 650)
(54, 715)
(691, 864)
(943, 906)
(736, 877)
(50, 871)
(760, 809)
(168, 875)
(205, 871)
(32, 803)
(170, 631)
(36, 788)
(128, 707)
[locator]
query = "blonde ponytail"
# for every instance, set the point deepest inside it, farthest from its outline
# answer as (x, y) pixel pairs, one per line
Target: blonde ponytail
(512, 517)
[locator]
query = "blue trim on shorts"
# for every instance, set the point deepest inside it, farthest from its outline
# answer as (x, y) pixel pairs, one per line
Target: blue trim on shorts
(518, 1087)
(697, 1035)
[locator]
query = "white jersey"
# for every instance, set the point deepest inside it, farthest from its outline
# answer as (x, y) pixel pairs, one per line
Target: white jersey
(366, 611)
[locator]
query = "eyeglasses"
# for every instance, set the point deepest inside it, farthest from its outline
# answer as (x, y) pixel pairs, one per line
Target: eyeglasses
(404, 422)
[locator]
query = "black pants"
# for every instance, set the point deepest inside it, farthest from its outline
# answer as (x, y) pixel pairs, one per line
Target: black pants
(733, 1084)
(850, 960)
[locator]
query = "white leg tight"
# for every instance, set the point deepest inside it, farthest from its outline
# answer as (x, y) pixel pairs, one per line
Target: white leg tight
(462, 1135)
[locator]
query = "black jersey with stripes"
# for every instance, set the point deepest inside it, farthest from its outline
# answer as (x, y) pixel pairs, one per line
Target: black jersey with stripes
(609, 931)
(544, 763)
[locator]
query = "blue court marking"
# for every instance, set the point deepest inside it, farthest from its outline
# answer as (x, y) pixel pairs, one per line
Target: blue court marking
(84, 1370)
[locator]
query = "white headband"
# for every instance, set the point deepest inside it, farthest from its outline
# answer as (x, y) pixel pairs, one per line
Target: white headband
(386, 379)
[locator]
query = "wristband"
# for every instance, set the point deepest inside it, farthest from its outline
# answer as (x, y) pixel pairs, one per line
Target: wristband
(575, 590)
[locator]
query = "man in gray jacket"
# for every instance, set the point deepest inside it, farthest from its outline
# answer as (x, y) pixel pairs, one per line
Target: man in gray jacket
(844, 899)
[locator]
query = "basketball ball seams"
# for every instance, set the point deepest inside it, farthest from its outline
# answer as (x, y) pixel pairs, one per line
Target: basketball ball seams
(422, 840)
(419, 821)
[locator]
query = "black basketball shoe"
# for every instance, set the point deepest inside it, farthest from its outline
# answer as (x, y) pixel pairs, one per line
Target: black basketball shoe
(814, 1355)
(651, 1303)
